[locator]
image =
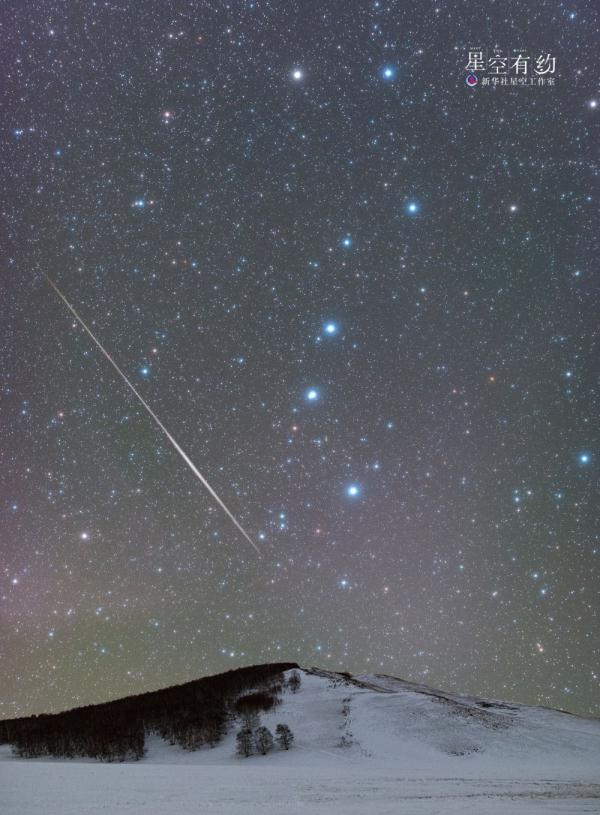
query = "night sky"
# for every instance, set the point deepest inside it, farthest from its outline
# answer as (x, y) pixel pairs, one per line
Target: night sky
(359, 294)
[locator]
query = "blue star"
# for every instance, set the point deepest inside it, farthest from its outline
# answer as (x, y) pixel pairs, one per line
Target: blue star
(139, 203)
(331, 329)
(145, 371)
(412, 207)
(346, 242)
(353, 490)
(389, 72)
(585, 458)
(312, 394)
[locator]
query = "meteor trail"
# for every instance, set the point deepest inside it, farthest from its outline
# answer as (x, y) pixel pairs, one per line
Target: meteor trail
(181, 452)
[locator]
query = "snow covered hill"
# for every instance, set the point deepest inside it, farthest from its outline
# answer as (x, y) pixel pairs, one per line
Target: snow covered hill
(383, 720)
(362, 745)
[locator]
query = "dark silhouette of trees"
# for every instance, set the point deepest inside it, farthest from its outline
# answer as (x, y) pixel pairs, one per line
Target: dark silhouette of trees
(264, 740)
(284, 736)
(255, 702)
(193, 715)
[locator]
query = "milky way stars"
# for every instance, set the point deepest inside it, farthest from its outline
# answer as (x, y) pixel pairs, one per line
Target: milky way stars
(363, 297)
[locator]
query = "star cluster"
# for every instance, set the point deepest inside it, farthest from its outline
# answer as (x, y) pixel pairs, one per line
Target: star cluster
(361, 296)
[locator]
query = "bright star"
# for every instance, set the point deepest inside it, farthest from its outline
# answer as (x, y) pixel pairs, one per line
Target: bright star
(389, 72)
(312, 394)
(331, 328)
(412, 207)
(593, 103)
(145, 371)
(584, 458)
(347, 242)
(353, 490)
(297, 74)
(85, 536)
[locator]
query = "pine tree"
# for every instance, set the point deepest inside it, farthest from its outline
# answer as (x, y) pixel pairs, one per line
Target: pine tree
(245, 742)
(284, 736)
(264, 740)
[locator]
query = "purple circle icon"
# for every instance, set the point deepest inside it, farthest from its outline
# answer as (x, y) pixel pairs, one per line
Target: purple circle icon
(471, 80)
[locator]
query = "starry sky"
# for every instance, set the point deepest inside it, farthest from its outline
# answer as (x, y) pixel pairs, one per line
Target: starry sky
(361, 296)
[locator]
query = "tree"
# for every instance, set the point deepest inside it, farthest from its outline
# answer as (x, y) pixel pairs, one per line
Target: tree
(245, 742)
(264, 740)
(284, 736)
(294, 681)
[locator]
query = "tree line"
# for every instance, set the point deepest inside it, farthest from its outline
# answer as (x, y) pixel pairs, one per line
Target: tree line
(190, 715)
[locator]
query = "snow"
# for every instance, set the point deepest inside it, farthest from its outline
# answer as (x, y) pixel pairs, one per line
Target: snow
(408, 749)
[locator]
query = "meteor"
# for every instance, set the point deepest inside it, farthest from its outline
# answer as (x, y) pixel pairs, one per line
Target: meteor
(140, 399)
